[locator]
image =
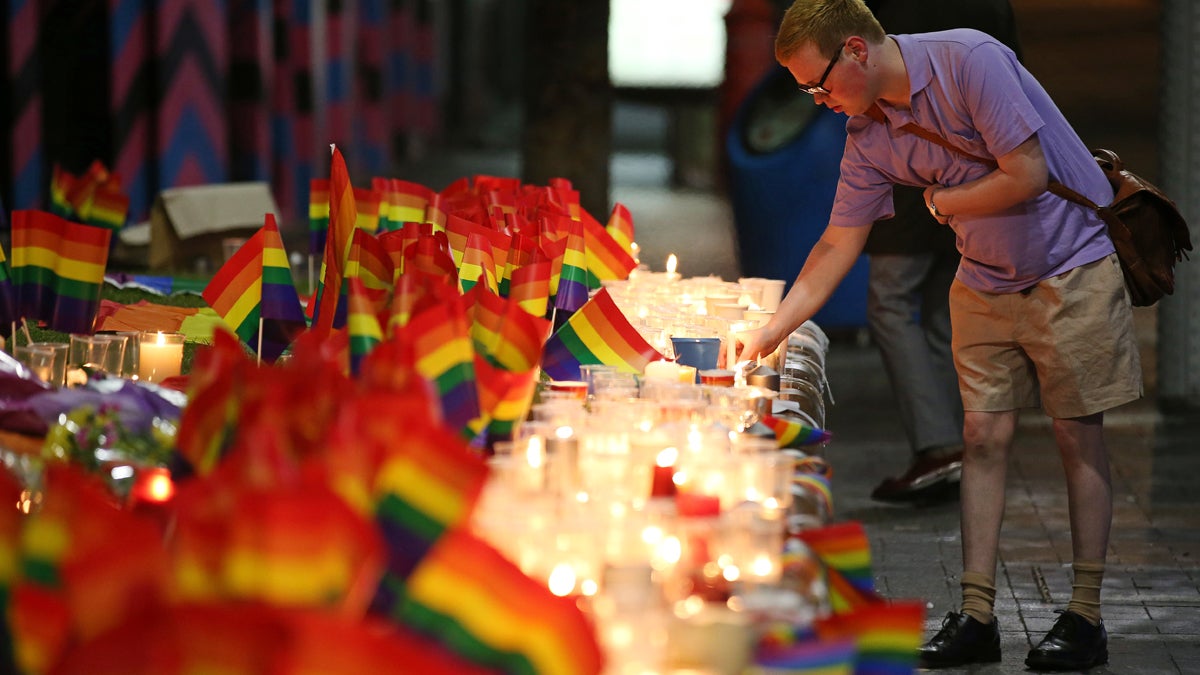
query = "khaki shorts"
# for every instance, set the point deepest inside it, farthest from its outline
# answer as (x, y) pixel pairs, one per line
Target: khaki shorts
(1066, 343)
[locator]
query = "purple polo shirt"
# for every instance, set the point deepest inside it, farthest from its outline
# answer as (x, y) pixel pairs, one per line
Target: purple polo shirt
(971, 89)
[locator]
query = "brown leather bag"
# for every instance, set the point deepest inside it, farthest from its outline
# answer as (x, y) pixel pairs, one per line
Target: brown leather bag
(1147, 230)
(1146, 227)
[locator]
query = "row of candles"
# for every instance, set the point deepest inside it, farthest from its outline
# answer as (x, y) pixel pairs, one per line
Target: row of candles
(144, 356)
(658, 499)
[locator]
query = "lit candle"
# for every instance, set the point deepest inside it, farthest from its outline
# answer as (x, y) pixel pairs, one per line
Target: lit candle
(160, 356)
(665, 371)
(672, 263)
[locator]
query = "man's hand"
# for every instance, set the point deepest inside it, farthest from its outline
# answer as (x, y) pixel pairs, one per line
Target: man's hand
(932, 206)
(753, 344)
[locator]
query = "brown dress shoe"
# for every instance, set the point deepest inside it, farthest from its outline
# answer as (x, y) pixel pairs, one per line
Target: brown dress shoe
(931, 477)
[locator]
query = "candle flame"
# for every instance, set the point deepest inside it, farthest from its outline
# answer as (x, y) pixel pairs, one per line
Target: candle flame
(672, 263)
(534, 452)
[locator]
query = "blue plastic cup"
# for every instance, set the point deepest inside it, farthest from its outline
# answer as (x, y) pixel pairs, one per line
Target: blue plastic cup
(699, 352)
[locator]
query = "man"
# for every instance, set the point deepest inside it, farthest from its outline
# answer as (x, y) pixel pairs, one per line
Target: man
(913, 260)
(1039, 310)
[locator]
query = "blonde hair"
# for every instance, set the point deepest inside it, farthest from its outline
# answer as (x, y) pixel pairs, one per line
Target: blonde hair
(826, 24)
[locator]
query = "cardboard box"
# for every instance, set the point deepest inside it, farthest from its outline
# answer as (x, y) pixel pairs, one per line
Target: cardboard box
(190, 225)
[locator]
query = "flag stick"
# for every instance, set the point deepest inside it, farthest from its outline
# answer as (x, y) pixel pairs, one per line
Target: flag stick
(260, 332)
(25, 326)
(311, 274)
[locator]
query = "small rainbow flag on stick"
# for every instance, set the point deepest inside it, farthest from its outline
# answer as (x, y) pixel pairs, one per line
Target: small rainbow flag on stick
(478, 603)
(597, 333)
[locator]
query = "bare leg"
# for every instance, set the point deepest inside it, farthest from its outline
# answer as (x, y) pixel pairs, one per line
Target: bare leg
(1089, 485)
(988, 440)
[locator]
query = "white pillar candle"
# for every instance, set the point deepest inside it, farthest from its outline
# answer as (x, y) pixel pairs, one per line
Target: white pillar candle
(160, 356)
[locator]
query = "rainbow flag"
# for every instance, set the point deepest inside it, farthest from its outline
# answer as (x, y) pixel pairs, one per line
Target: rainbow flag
(809, 657)
(105, 207)
(531, 287)
(367, 205)
(477, 265)
(792, 434)
(504, 333)
(459, 231)
(370, 263)
(572, 290)
(363, 324)
(62, 186)
(606, 260)
(281, 313)
(343, 216)
(886, 635)
(505, 396)
(235, 292)
(424, 486)
(620, 227)
(318, 214)
(58, 270)
(475, 601)
(845, 552)
(441, 340)
(522, 251)
(407, 201)
(8, 305)
(254, 288)
(435, 212)
(431, 255)
(597, 333)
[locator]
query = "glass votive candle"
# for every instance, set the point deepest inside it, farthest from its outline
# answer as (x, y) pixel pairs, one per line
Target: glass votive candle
(160, 356)
(39, 361)
(88, 350)
(58, 374)
(114, 356)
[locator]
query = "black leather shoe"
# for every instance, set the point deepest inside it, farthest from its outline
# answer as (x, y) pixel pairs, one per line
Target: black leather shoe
(928, 479)
(1072, 644)
(961, 640)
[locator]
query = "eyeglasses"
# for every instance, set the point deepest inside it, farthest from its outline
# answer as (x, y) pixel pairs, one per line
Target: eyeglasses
(819, 87)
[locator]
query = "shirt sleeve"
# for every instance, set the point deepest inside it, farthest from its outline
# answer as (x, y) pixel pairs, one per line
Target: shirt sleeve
(864, 194)
(1003, 115)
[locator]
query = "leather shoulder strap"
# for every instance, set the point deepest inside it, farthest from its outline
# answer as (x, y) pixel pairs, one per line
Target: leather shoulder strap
(1053, 187)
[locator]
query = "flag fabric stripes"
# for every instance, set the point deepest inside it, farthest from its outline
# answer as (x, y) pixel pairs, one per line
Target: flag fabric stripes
(478, 264)
(426, 485)
(606, 260)
(318, 215)
(235, 292)
(407, 201)
(480, 605)
(342, 220)
(362, 322)
(8, 305)
(367, 205)
(370, 263)
(794, 434)
(505, 396)
(572, 290)
(281, 313)
(846, 553)
(597, 333)
(886, 635)
(810, 657)
(58, 269)
(620, 226)
(444, 356)
(530, 287)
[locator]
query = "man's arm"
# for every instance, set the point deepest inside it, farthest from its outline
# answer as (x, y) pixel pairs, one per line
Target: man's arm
(1022, 174)
(828, 263)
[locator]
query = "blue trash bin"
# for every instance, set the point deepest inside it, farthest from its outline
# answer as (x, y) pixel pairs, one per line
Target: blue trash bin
(784, 153)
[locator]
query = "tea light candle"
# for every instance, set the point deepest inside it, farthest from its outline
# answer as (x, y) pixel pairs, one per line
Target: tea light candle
(160, 356)
(666, 371)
